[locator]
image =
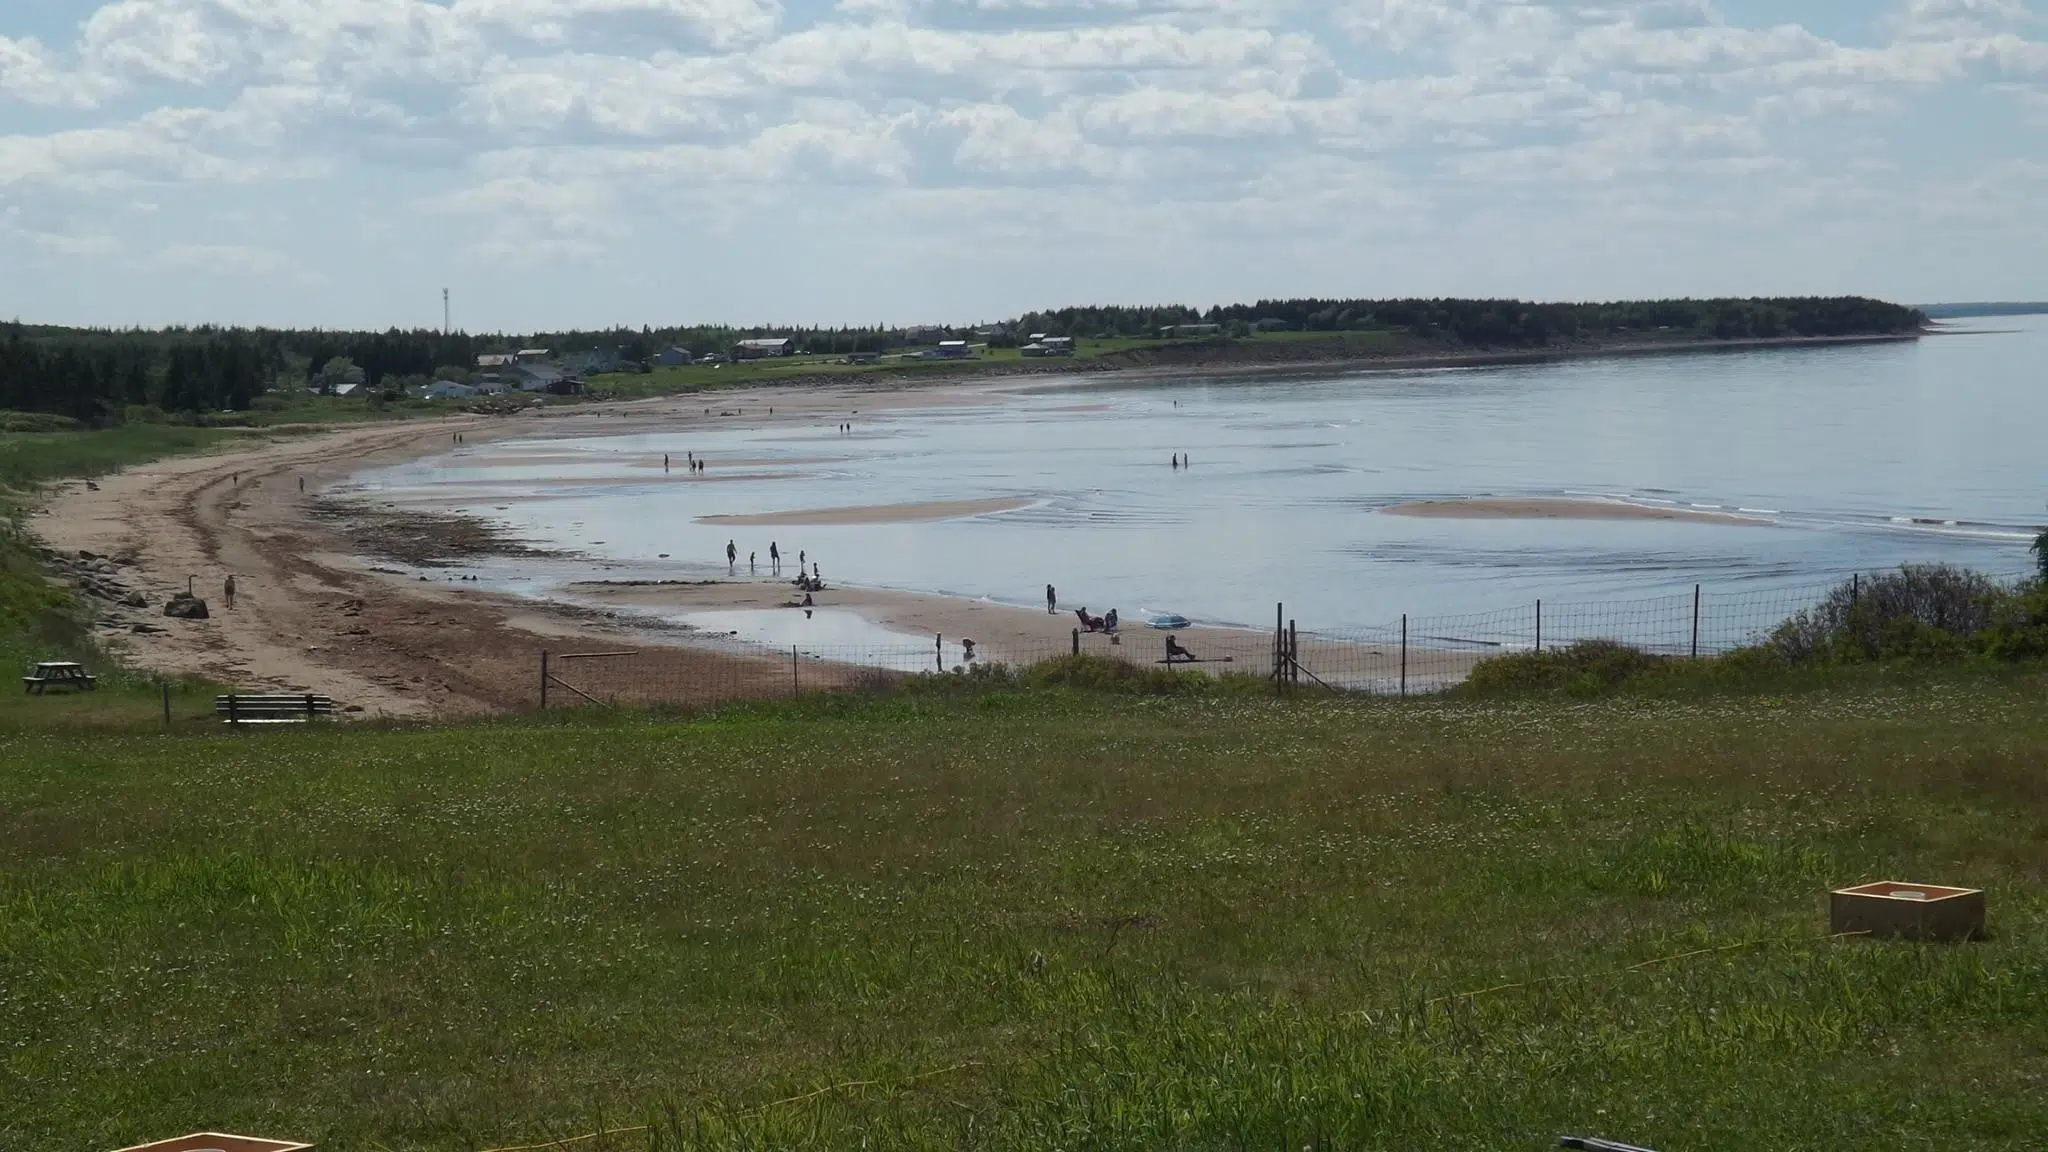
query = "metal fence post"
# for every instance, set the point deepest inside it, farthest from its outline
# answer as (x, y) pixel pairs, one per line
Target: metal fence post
(1695, 621)
(1539, 627)
(543, 679)
(1279, 644)
(167, 703)
(1293, 654)
(1404, 653)
(939, 650)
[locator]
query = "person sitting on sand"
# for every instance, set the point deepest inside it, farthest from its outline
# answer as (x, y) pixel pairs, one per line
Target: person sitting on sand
(1175, 653)
(1109, 621)
(1088, 623)
(967, 649)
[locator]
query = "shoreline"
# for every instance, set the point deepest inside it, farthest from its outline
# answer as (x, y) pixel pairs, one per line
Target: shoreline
(317, 613)
(1134, 364)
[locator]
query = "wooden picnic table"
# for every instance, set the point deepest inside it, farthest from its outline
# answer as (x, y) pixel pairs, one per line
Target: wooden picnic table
(62, 673)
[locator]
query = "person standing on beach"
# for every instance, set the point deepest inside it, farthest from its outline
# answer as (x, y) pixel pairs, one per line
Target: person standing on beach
(1176, 461)
(774, 558)
(799, 561)
(1052, 601)
(732, 555)
(227, 591)
(664, 463)
(751, 566)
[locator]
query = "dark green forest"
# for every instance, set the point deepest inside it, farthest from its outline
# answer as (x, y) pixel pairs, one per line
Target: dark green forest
(105, 376)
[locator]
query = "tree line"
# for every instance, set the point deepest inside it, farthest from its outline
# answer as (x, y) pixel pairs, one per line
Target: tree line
(98, 376)
(1508, 323)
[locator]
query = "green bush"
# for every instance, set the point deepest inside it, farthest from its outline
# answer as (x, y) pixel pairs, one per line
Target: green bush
(2020, 632)
(1587, 668)
(1921, 611)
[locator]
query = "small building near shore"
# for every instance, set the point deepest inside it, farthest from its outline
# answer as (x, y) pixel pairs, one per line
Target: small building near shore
(950, 350)
(762, 349)
(674, 357)
(1191, 330)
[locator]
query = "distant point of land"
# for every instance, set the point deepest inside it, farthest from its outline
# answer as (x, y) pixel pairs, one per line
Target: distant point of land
(1985, 308)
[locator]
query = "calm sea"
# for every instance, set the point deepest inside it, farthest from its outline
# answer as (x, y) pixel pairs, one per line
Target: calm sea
(1867, 456)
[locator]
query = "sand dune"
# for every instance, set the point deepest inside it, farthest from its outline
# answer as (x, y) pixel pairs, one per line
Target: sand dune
(1559, 508)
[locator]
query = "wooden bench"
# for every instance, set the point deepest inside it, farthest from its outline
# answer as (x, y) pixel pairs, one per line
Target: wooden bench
(295, 708)
(60, 673)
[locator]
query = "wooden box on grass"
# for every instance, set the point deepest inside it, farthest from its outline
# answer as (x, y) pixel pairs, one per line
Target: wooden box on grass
(1908, 911)
(218, 1142)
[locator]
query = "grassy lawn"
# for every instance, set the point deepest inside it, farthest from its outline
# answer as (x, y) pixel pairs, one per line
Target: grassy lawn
(1036, 920)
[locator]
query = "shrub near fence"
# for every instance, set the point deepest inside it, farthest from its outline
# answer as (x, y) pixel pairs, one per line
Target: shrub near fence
(1416, 654)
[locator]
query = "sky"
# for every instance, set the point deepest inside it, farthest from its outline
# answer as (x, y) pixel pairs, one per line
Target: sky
(564, 163)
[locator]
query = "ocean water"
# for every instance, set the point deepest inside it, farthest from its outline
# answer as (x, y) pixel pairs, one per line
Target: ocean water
(1866, 456)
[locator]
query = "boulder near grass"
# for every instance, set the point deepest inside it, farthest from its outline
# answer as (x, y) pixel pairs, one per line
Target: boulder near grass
(185, 606)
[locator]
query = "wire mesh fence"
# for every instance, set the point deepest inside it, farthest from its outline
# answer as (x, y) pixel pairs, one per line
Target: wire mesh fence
(1412, 655)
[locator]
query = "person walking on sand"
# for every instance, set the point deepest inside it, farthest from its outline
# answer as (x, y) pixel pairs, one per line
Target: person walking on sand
(774, 559)
(751, 566)
(799, 561)
(1176, 461)
(732, 556)
(664, 463)
(227, 591)
(1052, 601)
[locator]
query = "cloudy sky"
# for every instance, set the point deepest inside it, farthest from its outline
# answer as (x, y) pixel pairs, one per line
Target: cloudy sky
(582, 162)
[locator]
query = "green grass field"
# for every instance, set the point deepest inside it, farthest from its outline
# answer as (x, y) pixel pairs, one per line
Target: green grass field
(1047, 919)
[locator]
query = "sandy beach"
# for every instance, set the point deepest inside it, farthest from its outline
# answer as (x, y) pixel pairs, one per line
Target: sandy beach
(312, 614)
(315, 613)
(1559, 508)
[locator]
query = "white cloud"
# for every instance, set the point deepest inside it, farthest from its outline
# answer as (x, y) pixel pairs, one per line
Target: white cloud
(568, 131)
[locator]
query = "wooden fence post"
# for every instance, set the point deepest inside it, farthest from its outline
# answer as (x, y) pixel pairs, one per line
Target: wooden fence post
(543, 679)
(795, 687)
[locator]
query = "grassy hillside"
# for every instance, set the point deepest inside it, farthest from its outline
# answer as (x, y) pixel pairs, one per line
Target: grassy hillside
(1036, 920)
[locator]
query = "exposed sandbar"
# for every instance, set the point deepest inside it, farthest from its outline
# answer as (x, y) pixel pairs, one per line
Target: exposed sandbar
(1555, 508)
(878, 513)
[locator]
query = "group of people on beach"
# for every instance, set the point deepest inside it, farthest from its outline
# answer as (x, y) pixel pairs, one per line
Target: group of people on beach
(695, 465)
(1176, 652)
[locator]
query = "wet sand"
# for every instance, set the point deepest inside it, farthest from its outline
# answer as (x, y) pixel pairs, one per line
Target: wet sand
(1006, 633)
(878, 513)
(1558, 508)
